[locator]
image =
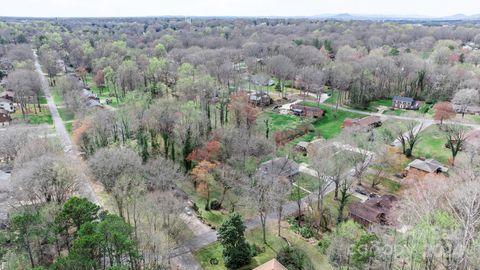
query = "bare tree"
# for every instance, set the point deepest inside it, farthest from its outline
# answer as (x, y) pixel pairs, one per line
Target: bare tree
(109, 164)
(465, 98)
(455, 136)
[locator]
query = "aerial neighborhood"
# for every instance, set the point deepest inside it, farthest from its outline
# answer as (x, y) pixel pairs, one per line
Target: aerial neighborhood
(239, 143)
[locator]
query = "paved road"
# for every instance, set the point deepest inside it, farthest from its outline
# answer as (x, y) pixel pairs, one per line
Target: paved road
(85, 188)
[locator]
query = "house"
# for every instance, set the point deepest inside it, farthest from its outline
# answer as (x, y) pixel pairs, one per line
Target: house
(474, 110)
(7, 105)
(273, 264)
(93, 103)
(427, 166)
(260, 99)
(300, 110)
(369, 121)
(5, 118)
(9, 94)
(405, 103)
(87, 94)
(372, 211)
(279, 167)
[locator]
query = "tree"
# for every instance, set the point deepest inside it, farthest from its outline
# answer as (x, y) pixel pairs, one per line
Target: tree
(443, 111)
(202, 176)
(363, 250)
(109, 164)
(455, 136)
(412, 136)
(281, 67)
(74, 213)
(465, 98)
(330, 164)
(236, 251)
(25, 225)
(293, 258)
(26, 84)
(47, 178)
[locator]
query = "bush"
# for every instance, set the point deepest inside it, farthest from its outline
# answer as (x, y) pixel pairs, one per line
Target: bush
(408, 152)
(215, 204)
(323, 244)
(255, 250)
(306, 232)
(293, 258)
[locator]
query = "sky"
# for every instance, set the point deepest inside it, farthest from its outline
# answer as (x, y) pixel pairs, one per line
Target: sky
(131, 8)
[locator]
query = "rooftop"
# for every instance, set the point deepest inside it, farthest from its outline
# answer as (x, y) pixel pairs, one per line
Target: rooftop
(273, 264)
(428, 165)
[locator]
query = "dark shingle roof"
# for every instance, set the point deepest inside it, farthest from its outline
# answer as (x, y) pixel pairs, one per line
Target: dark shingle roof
(403, 99)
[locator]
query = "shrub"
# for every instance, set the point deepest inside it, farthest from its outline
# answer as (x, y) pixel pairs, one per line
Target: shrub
(306, 232)
(215, 204)
(323, 244)
(255, 250)
(293, 258)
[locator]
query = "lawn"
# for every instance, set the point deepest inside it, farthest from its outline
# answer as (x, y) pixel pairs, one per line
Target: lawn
(65, 114)
(432, 145)
(281, 121)
(69, 127)
(389, 125)
(274, 244)
(42, 117)
(333, 97)
(386, 184)
(57, 95)
(372, 107)
(330, 125)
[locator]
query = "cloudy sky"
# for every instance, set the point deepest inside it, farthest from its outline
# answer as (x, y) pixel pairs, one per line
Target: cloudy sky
(107, 8)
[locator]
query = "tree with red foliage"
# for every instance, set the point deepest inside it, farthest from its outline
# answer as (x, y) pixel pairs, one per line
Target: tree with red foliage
(244, 112)
(209, 152)
(82, 73)
(202, 176)
(99, 80)
(443, 111)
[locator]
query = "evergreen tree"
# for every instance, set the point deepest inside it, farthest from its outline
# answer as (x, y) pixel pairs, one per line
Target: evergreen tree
(236, 251)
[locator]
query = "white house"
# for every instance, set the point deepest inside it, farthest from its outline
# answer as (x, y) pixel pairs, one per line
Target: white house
(7, 105)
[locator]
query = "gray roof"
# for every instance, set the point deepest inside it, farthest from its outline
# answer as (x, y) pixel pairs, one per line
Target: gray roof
(5, 100)
(428, 165)
(403, 99)
(279, 166)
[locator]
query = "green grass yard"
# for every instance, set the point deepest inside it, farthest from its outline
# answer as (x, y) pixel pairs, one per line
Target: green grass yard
(274, 244)
(331, 124)
(432, 145)
(65, 114)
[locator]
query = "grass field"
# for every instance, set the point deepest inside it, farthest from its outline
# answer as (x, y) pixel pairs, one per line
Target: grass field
(42, 117)
(386, 184)
(372, 107)
(331, 124)
(274, 244)
(432, 145)
(65, 114)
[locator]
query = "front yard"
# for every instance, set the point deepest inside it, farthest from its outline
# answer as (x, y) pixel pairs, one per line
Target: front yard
(274, 244)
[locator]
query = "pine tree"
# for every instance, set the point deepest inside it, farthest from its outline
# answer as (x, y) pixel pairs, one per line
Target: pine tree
(236, 251)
